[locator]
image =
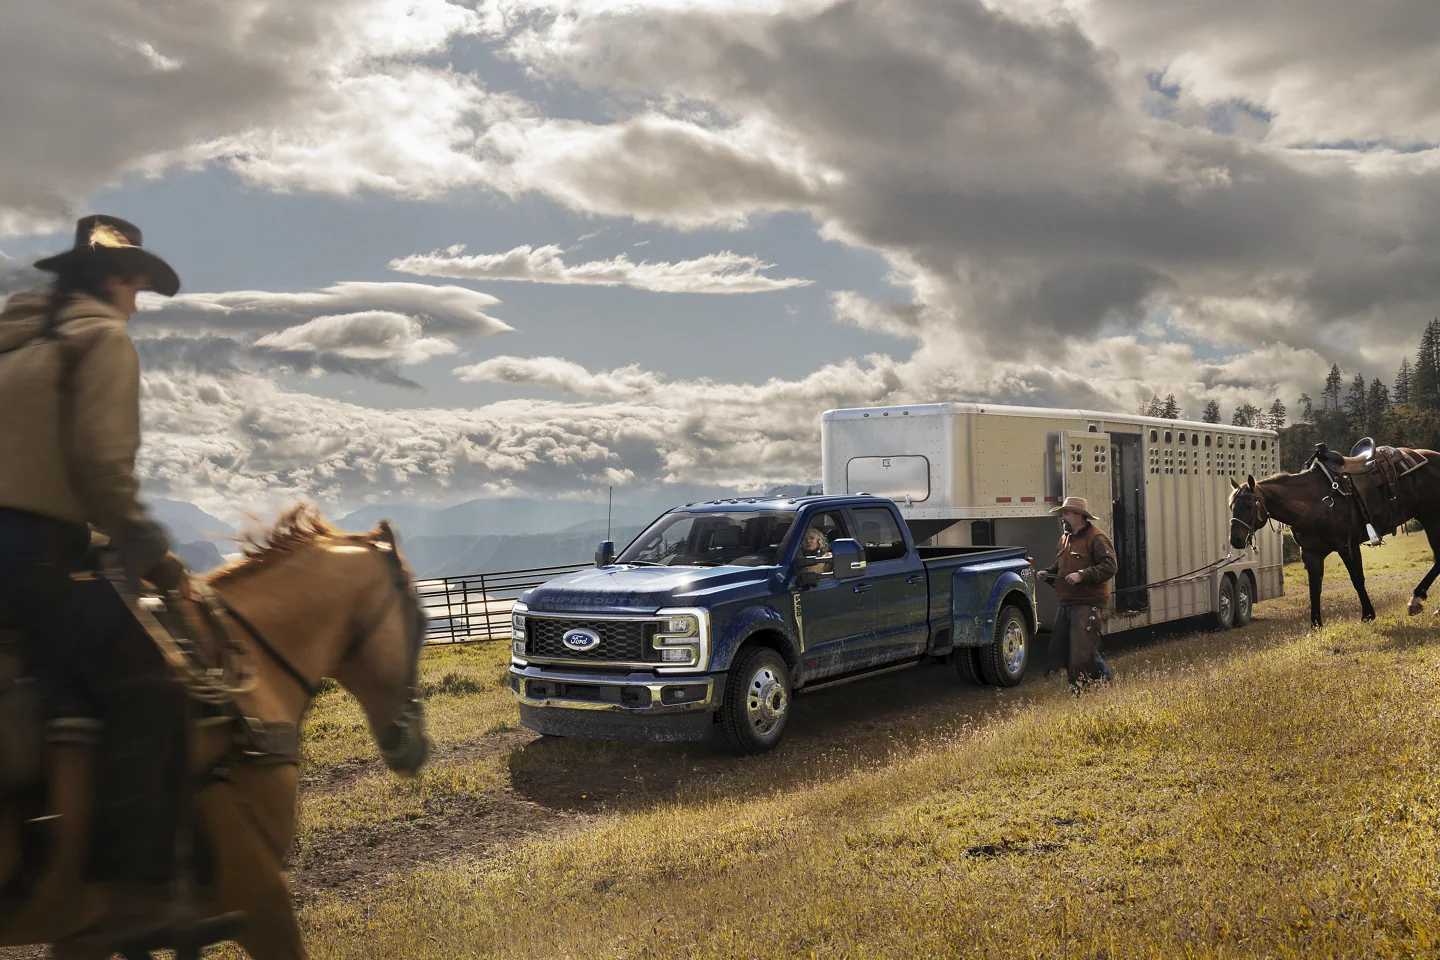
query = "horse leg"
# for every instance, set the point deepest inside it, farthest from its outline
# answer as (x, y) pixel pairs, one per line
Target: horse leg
(250, 878)
(1356, 566)
(1314, 562)
(1432, 533)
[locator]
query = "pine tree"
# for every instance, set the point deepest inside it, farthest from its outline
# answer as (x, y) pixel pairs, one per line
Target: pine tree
(1212, 412)
(1153, 407)
(1275, 419)
(1330, 396)
(1307, 408)
(1402, 382)
(1171, 408)
(1355, 402)
(1377, 404)
(1245, 415)
(1425, 378)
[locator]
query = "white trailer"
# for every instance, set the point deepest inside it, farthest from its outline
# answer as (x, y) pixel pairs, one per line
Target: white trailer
(975, 474)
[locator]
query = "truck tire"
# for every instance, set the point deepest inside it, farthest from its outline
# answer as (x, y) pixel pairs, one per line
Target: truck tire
(1004, 659)
(1224, 616)
(1244, 599)
(757, 702)
(967, 665)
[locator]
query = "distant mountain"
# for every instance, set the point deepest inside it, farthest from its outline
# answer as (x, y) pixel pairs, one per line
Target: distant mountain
(202, 556)
(457, 556)
(504, 516)
(187, 523)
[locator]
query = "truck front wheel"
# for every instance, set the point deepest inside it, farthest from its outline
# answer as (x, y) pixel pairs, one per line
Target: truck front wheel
(1003, 660)
(757, 701)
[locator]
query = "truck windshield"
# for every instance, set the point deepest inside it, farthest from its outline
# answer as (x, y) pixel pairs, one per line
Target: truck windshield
(748, 539)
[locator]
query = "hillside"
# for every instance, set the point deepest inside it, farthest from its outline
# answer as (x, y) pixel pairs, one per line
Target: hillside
(1260, 792)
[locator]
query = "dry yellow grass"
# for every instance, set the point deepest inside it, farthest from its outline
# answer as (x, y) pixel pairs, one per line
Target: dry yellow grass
(1274, 801)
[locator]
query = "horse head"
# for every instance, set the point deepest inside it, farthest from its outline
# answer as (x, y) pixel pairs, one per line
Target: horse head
(381, 665)
(1247, 512)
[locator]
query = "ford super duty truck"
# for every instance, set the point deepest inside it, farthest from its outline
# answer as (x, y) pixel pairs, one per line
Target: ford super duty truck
(719, 613)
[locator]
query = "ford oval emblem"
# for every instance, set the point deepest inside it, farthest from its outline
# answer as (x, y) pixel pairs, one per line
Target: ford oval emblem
(581, 640)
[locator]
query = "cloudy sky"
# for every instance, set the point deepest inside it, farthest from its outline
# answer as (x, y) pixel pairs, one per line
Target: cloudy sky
(434, 250)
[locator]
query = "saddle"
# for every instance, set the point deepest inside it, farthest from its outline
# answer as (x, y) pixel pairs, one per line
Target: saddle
(1371, 474)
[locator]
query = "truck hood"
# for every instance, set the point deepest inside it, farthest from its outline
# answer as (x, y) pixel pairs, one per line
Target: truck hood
(642, 589)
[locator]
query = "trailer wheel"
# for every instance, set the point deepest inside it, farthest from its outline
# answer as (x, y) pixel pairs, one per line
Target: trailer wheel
(1003, 660)
(1244, 599)
(967, 665)
(1224, 616)
(757, 702)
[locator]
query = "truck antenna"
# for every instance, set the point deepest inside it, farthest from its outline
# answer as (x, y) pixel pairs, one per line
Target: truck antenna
(608, 511)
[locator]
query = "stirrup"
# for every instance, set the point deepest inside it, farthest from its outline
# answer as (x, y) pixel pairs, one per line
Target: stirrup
(1375, 539)
(83, 731)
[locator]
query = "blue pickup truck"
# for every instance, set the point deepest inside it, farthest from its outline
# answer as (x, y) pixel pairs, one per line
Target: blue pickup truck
(719, 613)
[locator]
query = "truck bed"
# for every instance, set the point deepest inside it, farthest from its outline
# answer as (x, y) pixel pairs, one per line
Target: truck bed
(931, 555)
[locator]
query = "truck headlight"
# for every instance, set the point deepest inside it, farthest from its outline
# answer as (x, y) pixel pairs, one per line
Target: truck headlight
(517, 629)
(682, 639)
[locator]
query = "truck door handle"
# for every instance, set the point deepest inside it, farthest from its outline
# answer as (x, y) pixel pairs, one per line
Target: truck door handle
(916, 578)
(861, 587)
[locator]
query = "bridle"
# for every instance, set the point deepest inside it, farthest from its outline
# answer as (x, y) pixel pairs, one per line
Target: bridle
(402, 742)
(1261, 514)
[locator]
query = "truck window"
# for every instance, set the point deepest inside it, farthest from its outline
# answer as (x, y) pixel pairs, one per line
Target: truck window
(747, 539)
(822, 530)
(879, 534)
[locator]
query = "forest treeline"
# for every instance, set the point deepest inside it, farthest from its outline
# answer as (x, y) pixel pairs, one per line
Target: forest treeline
(1403, 413)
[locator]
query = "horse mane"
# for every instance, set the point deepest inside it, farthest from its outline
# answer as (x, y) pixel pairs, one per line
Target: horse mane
(300, 526)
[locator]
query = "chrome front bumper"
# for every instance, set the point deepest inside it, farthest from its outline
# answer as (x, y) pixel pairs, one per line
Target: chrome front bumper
(644, 694)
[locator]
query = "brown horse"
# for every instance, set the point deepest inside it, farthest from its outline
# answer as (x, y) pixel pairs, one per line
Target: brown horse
(1325, 522)
(310, 603)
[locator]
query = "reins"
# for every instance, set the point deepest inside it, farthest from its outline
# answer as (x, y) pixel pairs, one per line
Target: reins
(1195, 574)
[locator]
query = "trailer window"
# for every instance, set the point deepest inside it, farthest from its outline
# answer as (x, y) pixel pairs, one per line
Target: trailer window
(1262, 444)
(1154, 436)
(1207, 439)
(879, 535)
(892, 477)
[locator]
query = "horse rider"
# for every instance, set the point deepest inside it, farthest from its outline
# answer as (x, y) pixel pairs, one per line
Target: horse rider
(1084, 565)
(70, 389)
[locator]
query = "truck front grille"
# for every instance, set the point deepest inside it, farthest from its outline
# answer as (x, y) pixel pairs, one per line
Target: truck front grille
(621, 641)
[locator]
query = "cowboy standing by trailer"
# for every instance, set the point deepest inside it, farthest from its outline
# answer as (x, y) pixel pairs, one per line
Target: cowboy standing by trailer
(1081, 575)
(70, 392)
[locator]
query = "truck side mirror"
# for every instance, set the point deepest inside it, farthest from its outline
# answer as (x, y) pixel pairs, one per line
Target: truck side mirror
(605, 555)
(848, 558)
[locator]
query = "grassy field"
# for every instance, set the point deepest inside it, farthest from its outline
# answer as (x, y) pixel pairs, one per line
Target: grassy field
(1262, 792)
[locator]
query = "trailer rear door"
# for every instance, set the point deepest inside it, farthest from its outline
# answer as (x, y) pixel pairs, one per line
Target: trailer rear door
(1086, 472)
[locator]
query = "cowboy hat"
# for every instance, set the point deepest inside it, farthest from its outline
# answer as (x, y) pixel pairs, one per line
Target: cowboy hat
(1078, 504)
(110, 241)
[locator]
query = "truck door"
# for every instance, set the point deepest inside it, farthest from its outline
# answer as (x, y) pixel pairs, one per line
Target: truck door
(832, 616)
(895, 580)
(1086, 472)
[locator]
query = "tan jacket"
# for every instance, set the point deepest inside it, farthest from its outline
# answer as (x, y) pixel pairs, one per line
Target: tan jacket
(70, 421)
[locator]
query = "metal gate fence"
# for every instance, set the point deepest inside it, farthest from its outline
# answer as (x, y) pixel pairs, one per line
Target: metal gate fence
(477, 606)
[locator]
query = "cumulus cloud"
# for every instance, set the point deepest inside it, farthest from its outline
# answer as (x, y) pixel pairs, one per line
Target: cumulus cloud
(362, 329)
(327, 94)
(17, 275)
(445, 310)
(372, 334)
(723, 272)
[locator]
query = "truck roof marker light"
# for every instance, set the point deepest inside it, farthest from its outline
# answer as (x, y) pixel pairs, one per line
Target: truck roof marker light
(905, 414)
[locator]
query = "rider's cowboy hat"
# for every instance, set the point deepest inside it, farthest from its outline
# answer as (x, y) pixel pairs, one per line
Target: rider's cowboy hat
(1078, 504)
(107, 241)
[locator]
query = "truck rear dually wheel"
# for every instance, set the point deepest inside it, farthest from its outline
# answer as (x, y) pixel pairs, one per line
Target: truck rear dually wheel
(757, 701)
(967, 665)
(1003, 660)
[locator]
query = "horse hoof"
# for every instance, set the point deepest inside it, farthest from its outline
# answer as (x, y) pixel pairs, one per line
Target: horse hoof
(1368, 618)
(1415, 606)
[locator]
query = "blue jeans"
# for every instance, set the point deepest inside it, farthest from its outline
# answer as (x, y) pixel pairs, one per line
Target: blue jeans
(37, 556)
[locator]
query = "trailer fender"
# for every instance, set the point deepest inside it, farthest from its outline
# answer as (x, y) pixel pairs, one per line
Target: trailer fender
(975, 621)
(747, 623)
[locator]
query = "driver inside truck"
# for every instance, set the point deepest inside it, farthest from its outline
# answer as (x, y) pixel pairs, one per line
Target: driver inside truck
(816, 545)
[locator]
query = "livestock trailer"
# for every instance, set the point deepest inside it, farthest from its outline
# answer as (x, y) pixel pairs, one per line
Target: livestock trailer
(967, 474)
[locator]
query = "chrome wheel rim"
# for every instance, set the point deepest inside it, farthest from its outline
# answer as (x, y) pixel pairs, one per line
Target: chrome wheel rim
(1012, 647)
(1242, 601)
(766, 701)
(1226, 605)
